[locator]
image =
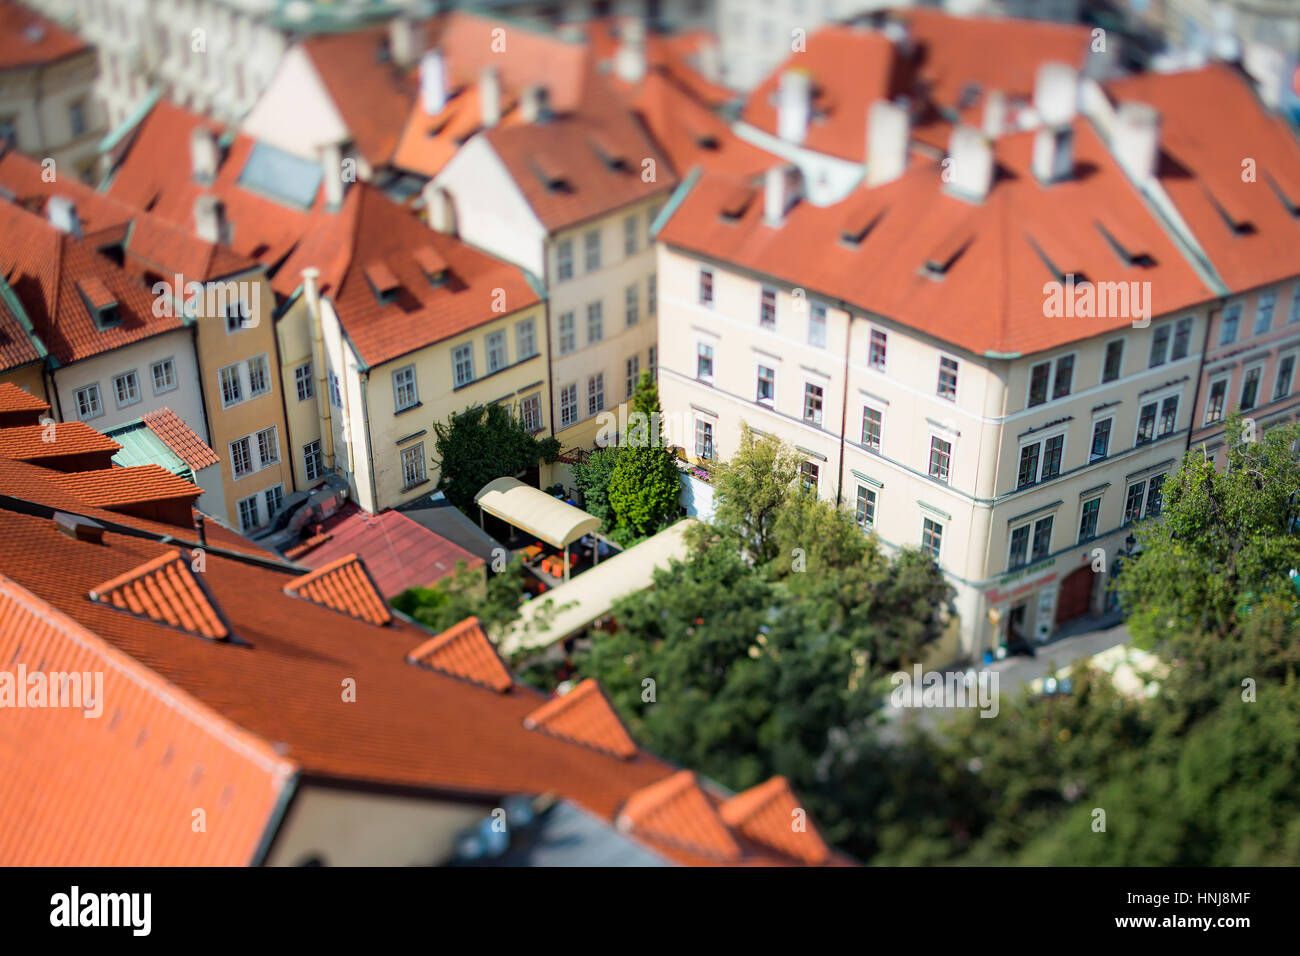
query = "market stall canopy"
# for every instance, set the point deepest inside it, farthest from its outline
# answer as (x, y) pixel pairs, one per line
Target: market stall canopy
(557, 523)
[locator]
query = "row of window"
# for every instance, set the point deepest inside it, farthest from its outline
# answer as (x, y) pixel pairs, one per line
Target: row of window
(1264, 310)
(244, 381)
(634, 228)
(595, 317)
(570, 411)
(254, 452)
(1216, 398)
(126, 389)
(406, 392)
(257, 510)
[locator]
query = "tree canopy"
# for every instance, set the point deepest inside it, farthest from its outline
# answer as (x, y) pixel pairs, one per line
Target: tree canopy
(481, 444)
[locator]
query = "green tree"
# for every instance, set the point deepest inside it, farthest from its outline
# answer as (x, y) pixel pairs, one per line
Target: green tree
(749, 490)
(645, 485)
(481, 444)
(463, 595)
(592, 476)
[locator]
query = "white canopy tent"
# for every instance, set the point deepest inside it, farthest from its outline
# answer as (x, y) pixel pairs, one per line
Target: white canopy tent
(556, 522)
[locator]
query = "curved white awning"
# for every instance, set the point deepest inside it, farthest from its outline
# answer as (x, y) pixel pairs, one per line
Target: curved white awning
(556, 522)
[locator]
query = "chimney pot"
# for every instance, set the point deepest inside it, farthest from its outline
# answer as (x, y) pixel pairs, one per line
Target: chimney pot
(210, 222)
(402, 41)
(489, 92)
(1136, 139)
(331, 163)
(62, 213)
(996, 114)
(440, 208)
(794, 105)
(972, 163)
(1053, 159)
(630, 59)
(887, 134)
(782, 189)
(203, 154)
(1056, 93)
(433, 83)
(79, 528)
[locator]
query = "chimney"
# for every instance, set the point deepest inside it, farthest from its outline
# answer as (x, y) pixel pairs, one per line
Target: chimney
(79, 528)
(210, 219)
(200, 525)
(1053, 154)
(972, 164)
(62, 213)
(794, 105)
(535, 104)
(707, 61)
(898, 33)
(203, 154)
(489, 93)
(331, 164)
(403, 41)
(1056, 94)
(630, 60)
(433, 83)
(440, 208)
(887, 132)
(995, 114)
(1136, 139)
(782, 189)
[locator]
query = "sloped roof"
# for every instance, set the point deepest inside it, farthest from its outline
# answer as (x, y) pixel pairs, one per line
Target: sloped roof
(165, 590)
(181, 439)
(18, 346)
(343, 586)
(676, 812)
(16, 401)
(585, 716)
(464, 651)
(770, 814)
(118, 487)
(29, 442)
(29, 39)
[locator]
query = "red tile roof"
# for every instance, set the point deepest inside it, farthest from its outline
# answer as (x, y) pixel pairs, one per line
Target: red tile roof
(1211, 120)
(29, 39)
(676, 812)
(56, 440)
(990, 299)
(114, 488)
(18, 344)
(585, 716)
(770, 814)
(399, 553)
(181, 439)
(343, 586)
(165, 590)
(120, 789)
(15, 401)
(465, 651)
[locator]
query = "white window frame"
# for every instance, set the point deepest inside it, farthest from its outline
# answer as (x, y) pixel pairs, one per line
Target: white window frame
(1053, 373)
(759, 368)
(595, 321)
(1259, 391)
(299, 379)
(870, 498)
(1294, 356)
(815, 323)
(308, 459)
(564, 259)
(91, 390)
(568, 336)
(525, 339)
(1119, 375)
(592, 251)
(1270, 298)
(403, 379)
(930, 450)
(168, 364)
(941, 527)
(1226, 379)
(456, 362)
(254, 502)
(266, 367)
(701, 348)
(535, 399)
(134, 375)
(1083, 507)
(234, 459)
(872, 331)
(595, 390)
(499, 337)
(938, 378)
(1041, 439)
(1109, 416)
(413, 454)
(267, 493)
(237, 378)
(569, 391)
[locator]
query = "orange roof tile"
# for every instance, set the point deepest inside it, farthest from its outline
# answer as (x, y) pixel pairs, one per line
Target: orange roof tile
(19, 346)
(14, 400)
(29, 39)
(29, 442)
(181, 439)
(344, 586)
(675, 811)
(117, 487)
(584, 716)
(464, 651)
(165, 589)
(770, 814)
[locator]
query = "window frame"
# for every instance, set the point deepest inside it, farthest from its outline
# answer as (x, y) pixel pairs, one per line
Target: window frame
(401, 382)
(133, 375)
(299, 379)
(93, 387)
(413, 454)
(955, 372)
(168, 363)
(1119, 363)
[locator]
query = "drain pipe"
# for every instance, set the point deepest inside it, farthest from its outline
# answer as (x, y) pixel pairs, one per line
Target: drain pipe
(311, 292)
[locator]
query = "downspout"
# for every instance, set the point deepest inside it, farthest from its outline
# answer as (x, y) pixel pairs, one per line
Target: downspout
(1200, 373)
(311, 292)
(370, 451)
(844, 404)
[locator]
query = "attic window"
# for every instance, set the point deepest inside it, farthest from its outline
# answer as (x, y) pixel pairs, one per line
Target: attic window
(945, 254)
(101, 302)
(734, 206)
(382, 281)
(860, 223)
(433, 265)
(550, 172)
(1232, 214)
(1127, 248)
(1057, 273)
(608, 151)
(1290, 198)
(970, 95)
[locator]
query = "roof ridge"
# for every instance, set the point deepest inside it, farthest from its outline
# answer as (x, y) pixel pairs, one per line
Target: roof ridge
(345, 586)
(766, 814)
(584, 716)
(464, 651)
(165, 590)
(677, 811)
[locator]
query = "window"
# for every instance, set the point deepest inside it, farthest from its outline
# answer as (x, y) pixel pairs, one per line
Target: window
(313, 464)
(651, 215)
(1160, 346)
(817, 325)
(1042, 538)
(1215, 400)
(268, 446)
(948, 379)
(651, 296)
(1064, 376)
(564, 259)
(404, 391)
(631, 229)
(1146, 423)
(1294, 314)
(812, 404)
(462, 360)
(1040, 460)
(766, 384)
(595, 393)
(496, 351)
(568, 333)
(1052, 449)
(871, 421)
(1168, 415)
(1088, 515)
(1133, 501)
(767, 309)
(274, 499)
(126, 389)
(940, 458)
(1018, 553)
(164, 376)
(633, 374)
(336, 398)
(931, 537)
(241, 457)
(1285, 373)
(530, 413)
(595, 322)
(703, 439)
(704, 362)
(77, 118)
(808, 475)
(706, 287)
(1114, 358)
(866, 510)
(1155, 502)
(1182, 339)
(1028, 473)
(652, 364)
(568, 405)
(526, 339)
(591, 250)
(413, 466)
(1038, 381)
(232, 391)
(1100, 439)
(259, 376)
(876, 351)
(1231, 316)
(632, 304)
(1264, 312)
(303, 382)
(1250, 387)
(88, 404)
(248, 516)
(1040, 376)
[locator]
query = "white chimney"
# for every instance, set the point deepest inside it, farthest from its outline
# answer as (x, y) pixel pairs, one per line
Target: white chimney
(995, 114)
(203, 154)
(489, 94)
(1136, 140)
(433, 83)
(534, 103)
(630, 59)
(708, 62)
(971, 165)
(210, 219)
(794, 105)
(1053, 153)
(887, 132)
(331, 165)
(62, 213)
(403, 41)
(1056, 93)
(440, 208)
(783, 187)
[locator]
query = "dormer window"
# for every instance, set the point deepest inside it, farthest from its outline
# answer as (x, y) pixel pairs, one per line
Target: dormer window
(382, 281)
(609, 152)
(433, 265)
(101, 302)
(550, 173)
